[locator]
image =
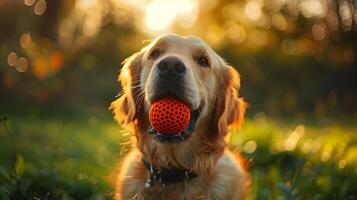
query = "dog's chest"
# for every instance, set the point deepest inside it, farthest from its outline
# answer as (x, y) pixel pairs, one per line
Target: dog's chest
(182, 191)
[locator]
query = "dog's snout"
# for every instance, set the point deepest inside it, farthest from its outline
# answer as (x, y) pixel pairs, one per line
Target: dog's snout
(171, 67)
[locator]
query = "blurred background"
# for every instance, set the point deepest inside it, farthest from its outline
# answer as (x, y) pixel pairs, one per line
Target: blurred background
(59, 62)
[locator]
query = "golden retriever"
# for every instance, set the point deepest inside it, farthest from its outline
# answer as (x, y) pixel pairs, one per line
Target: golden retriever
(200, 166)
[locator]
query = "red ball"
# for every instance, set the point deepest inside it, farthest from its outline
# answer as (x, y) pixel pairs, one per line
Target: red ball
(169, 116)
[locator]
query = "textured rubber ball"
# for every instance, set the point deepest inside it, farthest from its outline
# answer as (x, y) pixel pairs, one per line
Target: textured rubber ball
(169, 116)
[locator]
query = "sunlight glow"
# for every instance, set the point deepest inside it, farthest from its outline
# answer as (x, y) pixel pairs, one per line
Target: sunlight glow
(161, 14)
(313, 8)
(86, 4)
(91, 13)
(253, 10)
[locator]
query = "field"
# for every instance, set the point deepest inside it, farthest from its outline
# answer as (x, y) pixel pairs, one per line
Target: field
(59, 63)
(74, 157)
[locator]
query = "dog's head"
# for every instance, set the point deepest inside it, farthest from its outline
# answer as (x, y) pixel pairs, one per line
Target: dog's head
(185, 68)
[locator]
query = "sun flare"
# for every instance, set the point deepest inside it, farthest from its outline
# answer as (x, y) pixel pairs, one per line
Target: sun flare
(160, 15)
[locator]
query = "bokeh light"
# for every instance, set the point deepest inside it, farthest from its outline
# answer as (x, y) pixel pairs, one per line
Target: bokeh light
(296, 59)
(40, 7)
(325, 156)
(313, 8)
(342, 164)
(25, 40)
(12, 59)
(253, 10)
(278, 20)
(29, 2)
(346, 14)
(250, 147)
(22, 64)
(319, 31)
(236, 33)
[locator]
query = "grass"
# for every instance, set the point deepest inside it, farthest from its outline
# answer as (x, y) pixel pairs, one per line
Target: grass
(57, 158)
(300, 161)
(73, 158)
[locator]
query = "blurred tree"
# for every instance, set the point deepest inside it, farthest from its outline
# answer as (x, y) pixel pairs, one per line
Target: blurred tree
(295, 57)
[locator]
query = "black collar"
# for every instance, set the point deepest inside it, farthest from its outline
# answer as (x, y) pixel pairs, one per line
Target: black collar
(167, 175)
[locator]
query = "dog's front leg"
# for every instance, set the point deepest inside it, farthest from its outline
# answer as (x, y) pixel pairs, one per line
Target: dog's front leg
(131, 179)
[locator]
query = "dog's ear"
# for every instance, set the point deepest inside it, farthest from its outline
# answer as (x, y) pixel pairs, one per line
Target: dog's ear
(230, 108)
(126, 108)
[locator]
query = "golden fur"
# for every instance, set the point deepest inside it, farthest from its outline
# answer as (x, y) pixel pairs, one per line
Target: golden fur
(216, 90)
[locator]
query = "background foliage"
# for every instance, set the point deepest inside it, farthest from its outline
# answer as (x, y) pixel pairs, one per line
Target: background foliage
(58, 66)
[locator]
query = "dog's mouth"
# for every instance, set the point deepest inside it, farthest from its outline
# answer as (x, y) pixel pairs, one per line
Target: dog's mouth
(176, 137)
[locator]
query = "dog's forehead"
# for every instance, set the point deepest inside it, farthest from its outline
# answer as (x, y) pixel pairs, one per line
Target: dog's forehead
(195, 41)
(188, 45)
(173, 40)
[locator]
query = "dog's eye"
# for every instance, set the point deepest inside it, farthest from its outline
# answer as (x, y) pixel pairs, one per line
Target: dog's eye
(154, 54)
(203, 61)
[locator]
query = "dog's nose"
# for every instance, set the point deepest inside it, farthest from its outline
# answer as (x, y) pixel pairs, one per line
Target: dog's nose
(171, 68)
